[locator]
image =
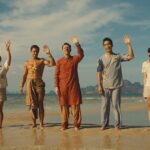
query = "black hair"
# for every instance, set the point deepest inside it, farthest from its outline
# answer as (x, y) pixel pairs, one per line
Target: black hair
(66, 44)
(148, 50)
(0, 58)
(36, 47)
(107, 39)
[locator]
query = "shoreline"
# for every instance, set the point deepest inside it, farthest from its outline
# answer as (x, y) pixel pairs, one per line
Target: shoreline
(17, 133)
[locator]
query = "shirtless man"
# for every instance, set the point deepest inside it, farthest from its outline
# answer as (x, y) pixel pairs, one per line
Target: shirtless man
(35, 87)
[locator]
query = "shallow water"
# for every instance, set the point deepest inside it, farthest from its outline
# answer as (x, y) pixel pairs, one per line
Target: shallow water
(90, 110)
(18, 135)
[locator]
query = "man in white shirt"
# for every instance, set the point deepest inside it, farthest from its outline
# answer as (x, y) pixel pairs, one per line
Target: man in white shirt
(3, 79)
(146, 72)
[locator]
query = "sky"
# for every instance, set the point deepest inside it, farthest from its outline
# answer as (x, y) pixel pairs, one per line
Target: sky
(53, 22)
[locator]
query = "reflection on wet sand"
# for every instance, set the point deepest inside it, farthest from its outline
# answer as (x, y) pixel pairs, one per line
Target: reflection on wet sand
(38, 137)
(110, 143)
(1, 138)
(70, 141)
(84, 139)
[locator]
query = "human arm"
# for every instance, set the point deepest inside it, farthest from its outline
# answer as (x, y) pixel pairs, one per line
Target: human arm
(51, 62)
(127, 41)
(80, 52)
(23, 79)
(56, 79)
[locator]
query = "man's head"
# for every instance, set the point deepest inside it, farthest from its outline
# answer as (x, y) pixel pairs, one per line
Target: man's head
(66, 48)
(35, 51)
(148, 52)
(107, 44)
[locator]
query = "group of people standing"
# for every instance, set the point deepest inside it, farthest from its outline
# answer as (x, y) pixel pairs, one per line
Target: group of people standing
(66, 82)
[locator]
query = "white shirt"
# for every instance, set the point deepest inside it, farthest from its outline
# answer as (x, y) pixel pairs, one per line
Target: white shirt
(146, 69)
(3, 72)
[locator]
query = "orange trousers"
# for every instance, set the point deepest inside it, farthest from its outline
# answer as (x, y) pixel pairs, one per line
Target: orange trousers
(76, 113)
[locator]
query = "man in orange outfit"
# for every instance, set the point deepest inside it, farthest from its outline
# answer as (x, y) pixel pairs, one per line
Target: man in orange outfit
(67, 85)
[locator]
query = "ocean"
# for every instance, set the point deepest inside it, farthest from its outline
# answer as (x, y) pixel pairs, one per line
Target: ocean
(134, 112)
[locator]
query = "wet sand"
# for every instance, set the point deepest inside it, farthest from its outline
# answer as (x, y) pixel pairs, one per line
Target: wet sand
(17, 134)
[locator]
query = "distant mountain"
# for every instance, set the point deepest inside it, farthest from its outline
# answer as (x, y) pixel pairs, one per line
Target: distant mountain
(129, 89)
(132, 89)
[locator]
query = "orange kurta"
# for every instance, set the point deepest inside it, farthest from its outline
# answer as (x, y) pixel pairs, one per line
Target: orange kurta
(66, 79)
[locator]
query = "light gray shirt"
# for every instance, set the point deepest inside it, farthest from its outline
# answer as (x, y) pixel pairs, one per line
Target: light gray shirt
(112, 75)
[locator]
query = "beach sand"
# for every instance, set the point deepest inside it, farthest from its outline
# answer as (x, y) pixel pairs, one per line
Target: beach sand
(17, 134)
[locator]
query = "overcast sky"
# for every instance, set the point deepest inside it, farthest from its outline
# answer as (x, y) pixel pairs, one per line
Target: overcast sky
(53, 22)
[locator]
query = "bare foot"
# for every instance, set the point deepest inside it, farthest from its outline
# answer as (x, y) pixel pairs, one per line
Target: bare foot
(34, 126)
(42, 127)
(62, 129)
(117, 128)
(102, 128)
(76, 129)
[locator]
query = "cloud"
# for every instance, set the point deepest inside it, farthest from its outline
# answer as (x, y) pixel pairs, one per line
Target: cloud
(70, 19)
(46, 21)
(22, 7)
(144, 24)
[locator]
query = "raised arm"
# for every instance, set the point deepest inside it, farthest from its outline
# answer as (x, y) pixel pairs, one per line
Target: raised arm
(23, 79)
(80, 52)
(8, 57)
(127, 41)
(51, 62)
